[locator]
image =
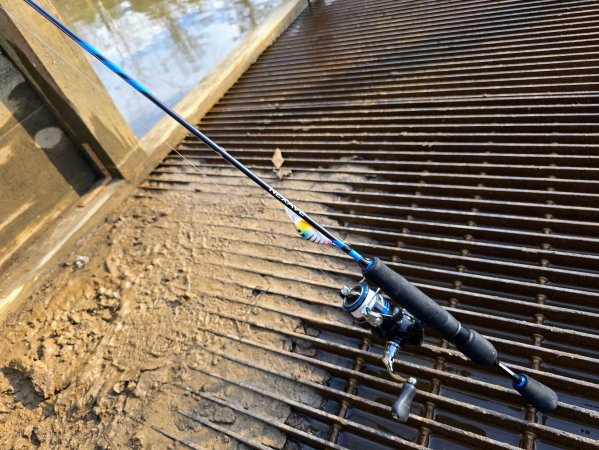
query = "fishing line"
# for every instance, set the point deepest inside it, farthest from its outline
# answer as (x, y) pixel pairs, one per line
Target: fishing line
(20, 121)
(305, 224)
(99, 88)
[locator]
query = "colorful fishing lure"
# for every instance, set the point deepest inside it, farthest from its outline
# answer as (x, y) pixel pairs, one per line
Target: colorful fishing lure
(307, 231)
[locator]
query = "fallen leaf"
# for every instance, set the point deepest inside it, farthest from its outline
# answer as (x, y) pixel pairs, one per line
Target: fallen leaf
(277, 159)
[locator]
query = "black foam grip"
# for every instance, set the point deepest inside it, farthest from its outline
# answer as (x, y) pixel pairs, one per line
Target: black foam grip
(405, 294)
(478, 349)
(538, 395)
(410, 297)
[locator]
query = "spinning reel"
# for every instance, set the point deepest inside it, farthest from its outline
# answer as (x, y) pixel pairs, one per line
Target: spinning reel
(392, 324)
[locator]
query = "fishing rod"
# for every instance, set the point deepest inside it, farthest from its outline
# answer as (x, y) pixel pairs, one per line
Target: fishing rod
(397, 318)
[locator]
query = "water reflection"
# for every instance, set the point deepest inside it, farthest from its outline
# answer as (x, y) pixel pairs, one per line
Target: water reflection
(168, 45)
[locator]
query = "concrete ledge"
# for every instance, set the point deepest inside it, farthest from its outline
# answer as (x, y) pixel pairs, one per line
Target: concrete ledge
(199, 101)
(88, 117)
(28, 267)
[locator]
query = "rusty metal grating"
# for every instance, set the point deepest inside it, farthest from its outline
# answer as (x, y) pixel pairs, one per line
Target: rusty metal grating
(459, 141)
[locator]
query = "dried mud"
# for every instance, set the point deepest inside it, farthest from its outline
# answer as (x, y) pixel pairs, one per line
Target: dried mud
(107, 351)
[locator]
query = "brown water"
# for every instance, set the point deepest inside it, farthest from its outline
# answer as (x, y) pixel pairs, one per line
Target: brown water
(168, 46)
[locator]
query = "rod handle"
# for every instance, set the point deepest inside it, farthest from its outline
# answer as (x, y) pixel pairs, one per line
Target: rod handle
(474, 346)
(537, 394)
(405, 294)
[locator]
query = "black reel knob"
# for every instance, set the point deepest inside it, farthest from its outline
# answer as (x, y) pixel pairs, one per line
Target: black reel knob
(401, 408)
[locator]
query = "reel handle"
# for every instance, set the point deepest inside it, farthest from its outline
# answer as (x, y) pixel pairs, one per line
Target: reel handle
(405, 294)
(537, 394)
(401, 408)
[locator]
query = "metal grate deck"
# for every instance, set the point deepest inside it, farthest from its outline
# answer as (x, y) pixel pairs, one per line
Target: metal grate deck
(458, 140)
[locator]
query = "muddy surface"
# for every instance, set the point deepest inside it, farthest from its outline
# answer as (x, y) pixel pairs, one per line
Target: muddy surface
(157, 306)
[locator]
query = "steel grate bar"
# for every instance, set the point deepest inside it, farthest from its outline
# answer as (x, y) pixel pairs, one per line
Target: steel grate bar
(390, 387)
